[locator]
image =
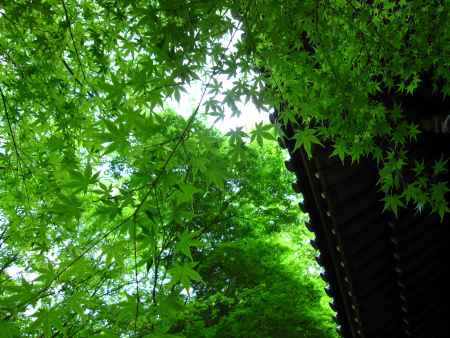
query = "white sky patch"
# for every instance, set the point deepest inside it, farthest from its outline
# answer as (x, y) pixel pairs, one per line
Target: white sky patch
(189, 100)
(17, 272)
(250, 115)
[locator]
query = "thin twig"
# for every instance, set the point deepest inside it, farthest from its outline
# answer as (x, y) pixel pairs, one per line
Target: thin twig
(157, 260)
(182, 138)
(16, 149)
(20, 161)
(136, 279)
(69, 23)
(69, 69)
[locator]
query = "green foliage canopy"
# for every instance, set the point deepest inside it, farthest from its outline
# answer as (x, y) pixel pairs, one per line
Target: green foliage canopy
(114, 204)
(323, 62)
(326, 62)
(213, 250)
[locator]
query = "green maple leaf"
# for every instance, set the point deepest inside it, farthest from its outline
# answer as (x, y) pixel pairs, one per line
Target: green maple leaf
(377, 154)
(392, 202)
(183, 274)
(186, 192)
(419, 168)
(340, 150)
(261, 132)
(413, 193)
(186, 240)
(440, 167)
(236, 136)
(216, 172)
(439, 202)
(413, 132)
(306, 138)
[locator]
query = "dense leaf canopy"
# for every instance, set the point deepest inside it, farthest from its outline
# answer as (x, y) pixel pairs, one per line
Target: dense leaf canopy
(121, 219)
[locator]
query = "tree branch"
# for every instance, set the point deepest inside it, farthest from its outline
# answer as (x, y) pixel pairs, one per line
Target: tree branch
(69, 23)
(5, 107)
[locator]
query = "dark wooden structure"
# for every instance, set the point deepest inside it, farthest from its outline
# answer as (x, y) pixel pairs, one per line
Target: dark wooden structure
(388, 276)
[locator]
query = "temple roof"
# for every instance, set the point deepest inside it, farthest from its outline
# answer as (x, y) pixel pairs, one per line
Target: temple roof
(387, 275)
